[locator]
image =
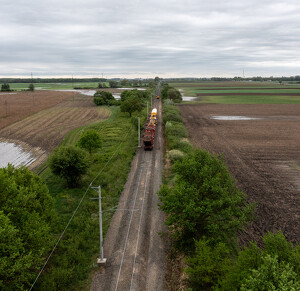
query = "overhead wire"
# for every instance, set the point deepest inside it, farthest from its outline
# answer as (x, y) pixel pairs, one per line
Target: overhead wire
(86, 191)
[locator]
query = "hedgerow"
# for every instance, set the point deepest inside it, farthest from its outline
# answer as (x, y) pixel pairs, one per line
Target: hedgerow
(204, 212)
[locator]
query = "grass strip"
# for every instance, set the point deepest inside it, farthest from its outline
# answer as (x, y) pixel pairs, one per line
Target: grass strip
(75, 257)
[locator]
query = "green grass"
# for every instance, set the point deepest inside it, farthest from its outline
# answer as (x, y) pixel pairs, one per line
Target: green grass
(75, 258)
(53, 86)
(243, 88)
(250, 99)
(244, 91)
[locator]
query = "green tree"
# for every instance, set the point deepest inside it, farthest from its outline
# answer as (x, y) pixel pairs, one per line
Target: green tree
(69, 163)
(5, 87)
(125, 94)
(125, 83)
(113, 84)
(31, 87)
(208, 264)
(26, 211)
(276, 266)
(272, 275)
(174, 95)
(131, 104)
(204, 200)
(90, 141)
(103, 98)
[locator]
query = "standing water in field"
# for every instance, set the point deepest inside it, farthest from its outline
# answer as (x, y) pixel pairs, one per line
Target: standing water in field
(14, 154)
(234, 118)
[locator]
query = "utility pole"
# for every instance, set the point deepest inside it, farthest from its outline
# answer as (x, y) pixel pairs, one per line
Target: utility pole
(139, 132)
(101, 260)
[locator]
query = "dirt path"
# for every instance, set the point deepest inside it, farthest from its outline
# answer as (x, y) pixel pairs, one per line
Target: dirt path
(263, 155)
(134, 250)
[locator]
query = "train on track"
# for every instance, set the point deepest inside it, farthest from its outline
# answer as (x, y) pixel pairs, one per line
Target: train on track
(149, 134)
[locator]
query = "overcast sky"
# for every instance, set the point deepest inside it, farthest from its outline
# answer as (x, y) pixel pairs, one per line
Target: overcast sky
(149, 38)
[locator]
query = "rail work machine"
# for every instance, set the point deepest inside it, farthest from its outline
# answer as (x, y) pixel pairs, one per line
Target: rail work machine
(148, 138)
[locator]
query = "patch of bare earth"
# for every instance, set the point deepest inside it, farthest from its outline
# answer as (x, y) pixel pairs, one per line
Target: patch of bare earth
(16, 106)
(263, 155)
(45, 129)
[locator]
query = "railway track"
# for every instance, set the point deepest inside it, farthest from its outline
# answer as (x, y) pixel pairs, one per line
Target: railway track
(134, 250)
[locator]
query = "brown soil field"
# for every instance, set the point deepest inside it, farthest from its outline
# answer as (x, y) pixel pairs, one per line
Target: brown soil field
(262, 154)
(16, 106)
(43, 130)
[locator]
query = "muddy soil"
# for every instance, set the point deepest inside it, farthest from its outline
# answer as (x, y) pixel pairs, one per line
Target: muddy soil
(15, 107)
(262, 154)
(45, 129)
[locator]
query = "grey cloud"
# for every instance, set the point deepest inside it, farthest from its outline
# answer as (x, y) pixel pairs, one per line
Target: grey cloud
(185, 37)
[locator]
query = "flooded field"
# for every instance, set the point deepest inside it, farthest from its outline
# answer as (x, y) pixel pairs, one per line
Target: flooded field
(228, 117)
(15, 155)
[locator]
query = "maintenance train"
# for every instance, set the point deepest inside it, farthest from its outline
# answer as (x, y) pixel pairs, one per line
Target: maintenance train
(149, 134)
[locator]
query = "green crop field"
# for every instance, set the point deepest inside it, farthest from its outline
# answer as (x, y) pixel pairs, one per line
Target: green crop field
(53, 86)
(241, 92)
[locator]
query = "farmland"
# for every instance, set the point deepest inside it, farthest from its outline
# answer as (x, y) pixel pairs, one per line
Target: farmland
(40, 120)
(262, 155)
(242, 92)
(53, 86)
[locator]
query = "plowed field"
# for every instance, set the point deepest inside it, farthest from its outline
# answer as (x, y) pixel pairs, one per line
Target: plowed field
(15, 106)
(262, 154)
(42, 130)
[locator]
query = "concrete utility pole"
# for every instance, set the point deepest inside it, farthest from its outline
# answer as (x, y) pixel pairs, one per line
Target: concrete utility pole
(101, 260)
(139, 132)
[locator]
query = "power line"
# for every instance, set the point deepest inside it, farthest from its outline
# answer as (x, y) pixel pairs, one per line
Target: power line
(75, 213)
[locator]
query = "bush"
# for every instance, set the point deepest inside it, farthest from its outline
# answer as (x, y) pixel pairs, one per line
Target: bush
(90, 141)
(176, 129)
(272, 275)
(131, 104)
(103, 98)
(171, 113)
(69, 163)
(26, 211)
(5, 87)
(204, 200)
(273, 268)
(175, 155)
(208, 264)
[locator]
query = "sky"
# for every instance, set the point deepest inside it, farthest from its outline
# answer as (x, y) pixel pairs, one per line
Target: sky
(141, 39)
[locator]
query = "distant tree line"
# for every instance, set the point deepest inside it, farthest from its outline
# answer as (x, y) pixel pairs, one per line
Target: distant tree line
(138, 82)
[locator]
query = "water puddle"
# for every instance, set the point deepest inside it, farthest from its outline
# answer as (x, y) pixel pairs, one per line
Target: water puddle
(15, 155)
(232, 117)
(189, 98)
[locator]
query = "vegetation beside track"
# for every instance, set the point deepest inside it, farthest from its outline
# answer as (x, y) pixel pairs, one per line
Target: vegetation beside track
(204, 213)
(75, 257)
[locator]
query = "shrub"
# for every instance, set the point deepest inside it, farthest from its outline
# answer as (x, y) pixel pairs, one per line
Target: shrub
(204, 200)
(90, 141)
(171, 113)
(103, 98)
(176, 129)
(131, 104)
(26, 211)
(5, 87)
(175, 155)
(275, 267)
(70, 163)
(208, 264)
(272, 275)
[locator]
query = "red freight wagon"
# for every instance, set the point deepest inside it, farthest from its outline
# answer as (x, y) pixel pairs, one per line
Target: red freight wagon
(148, 138)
